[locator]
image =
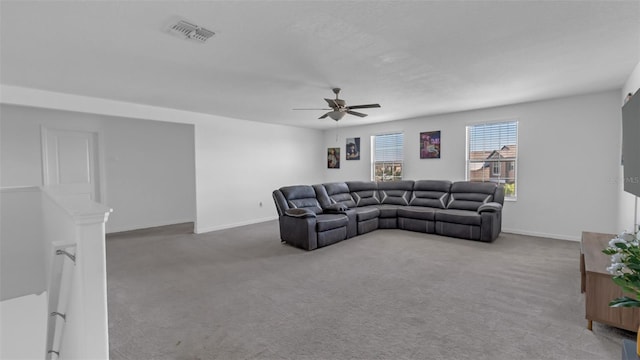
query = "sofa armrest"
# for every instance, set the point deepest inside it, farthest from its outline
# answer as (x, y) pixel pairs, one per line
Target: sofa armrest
(299, 213)
(336, 209)
(490, 207)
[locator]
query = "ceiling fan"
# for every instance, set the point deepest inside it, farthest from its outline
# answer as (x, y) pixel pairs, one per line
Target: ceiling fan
(338, 108)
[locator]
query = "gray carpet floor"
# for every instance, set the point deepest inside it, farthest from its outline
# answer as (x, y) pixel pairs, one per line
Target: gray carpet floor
(390, 294)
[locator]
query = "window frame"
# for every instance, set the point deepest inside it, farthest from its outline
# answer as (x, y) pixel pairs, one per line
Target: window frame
(513, 162)
(392, 163)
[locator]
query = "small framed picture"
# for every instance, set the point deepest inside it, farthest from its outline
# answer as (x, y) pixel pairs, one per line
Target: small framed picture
(333, 158)
(430, 145)
(353, 149)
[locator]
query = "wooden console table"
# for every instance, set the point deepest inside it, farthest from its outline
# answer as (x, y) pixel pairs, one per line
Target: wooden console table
(598, 287)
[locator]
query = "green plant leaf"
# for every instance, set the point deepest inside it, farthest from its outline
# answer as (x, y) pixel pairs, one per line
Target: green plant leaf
(620, 245)
(634, 266)
(624, 301)
(624, 283)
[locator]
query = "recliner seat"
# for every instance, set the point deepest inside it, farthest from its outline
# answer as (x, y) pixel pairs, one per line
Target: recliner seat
(303, 222)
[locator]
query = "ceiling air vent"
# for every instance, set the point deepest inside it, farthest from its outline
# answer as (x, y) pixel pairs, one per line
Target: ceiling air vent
(191, 31)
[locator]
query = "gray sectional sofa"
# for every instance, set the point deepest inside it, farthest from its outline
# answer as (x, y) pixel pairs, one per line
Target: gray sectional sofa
(313, 216)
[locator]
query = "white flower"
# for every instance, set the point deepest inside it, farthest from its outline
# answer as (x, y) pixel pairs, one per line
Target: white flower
(616, 268)
(617, 258)
(627, 237)
(621, 258)
(617, 240)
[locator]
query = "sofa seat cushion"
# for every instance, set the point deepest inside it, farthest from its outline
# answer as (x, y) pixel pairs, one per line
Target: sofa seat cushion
(463, 217)
(417, 212)
(366, 213)
(326, 222)
(388, 211)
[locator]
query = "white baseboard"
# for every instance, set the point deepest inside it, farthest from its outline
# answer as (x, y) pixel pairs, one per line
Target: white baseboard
(540, 234)
(146, 225)
(204, 229)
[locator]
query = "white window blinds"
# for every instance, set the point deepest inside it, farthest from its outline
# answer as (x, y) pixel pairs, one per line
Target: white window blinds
(492, 154)
(387, 156)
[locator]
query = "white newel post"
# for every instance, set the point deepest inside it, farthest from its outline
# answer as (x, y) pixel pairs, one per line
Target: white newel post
(86, 328)
(91, 277)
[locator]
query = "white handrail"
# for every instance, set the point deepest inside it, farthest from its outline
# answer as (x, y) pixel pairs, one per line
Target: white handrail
(62, 268)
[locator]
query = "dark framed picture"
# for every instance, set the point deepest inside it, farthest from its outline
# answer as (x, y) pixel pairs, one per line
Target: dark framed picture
(430, 145)
(353, 149)
(333, 158)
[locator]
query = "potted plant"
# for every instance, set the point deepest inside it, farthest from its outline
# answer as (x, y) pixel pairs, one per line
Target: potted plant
(625, 268)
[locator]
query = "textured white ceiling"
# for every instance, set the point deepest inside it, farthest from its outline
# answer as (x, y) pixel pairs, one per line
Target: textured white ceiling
(413, 57)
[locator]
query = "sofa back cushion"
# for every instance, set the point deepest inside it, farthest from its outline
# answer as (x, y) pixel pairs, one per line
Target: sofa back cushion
(466, 195)
(301, 197)
(395, 192)
(431, 193)
(339, 194)
(364, 192)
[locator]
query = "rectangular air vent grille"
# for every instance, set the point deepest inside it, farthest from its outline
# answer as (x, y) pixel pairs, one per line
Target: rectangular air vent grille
(191, 31)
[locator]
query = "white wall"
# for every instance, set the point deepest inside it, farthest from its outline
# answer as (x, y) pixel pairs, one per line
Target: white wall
(147, 166)
(149, 173)
(627, 202)
(239, 164)
(22, 254)
(569, 157)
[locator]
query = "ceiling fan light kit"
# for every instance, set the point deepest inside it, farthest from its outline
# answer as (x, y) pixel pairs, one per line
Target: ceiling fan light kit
(340, 109)
(336, 115)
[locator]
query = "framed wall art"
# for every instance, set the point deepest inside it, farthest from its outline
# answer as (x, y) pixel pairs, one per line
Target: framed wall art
(333, 158)
(353, 149)
(430, 145)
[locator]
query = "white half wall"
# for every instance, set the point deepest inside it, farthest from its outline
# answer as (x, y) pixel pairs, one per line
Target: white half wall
(23, 329)
(569, 159)
(146, 166)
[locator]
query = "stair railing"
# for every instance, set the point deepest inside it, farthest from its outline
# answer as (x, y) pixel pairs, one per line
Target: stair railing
(62, 271)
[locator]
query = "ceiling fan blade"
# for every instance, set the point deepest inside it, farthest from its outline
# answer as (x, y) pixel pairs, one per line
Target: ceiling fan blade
(324, 116)
(311, 109)
(356, 113)
(364, 106)
(332, 103)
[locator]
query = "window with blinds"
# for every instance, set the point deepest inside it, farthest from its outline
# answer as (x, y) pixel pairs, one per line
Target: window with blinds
(387, 156)
(492, 154)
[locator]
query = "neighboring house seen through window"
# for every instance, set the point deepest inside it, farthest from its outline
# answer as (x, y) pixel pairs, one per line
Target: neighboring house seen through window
(492, 154)
(387, 154)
